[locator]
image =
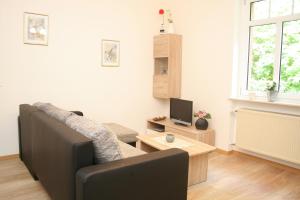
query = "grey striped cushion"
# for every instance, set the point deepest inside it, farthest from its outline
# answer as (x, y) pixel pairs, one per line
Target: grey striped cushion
(105, 143)
(53, 111)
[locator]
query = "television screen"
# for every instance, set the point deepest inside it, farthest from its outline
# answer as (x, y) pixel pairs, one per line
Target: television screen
(181, 111)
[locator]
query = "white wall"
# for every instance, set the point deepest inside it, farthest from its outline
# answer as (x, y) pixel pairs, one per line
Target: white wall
(68, 72)
(208, 38)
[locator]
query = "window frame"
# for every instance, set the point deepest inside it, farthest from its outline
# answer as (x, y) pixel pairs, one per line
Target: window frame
(245, 25)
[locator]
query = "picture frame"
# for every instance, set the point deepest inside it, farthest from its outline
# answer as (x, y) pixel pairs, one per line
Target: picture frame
(36, 29)
(110, 53)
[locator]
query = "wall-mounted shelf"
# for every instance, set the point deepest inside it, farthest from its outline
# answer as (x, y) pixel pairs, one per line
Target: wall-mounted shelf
(167, 66)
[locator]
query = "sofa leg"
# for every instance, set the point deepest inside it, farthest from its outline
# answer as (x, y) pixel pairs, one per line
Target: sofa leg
(132, 144)
(35, 177)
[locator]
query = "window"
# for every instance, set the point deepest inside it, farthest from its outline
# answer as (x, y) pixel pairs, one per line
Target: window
(272, 33)
(261, 56)
(290, 57)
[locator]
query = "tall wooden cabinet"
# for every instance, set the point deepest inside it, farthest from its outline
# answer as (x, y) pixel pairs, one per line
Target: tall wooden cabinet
(167, 66)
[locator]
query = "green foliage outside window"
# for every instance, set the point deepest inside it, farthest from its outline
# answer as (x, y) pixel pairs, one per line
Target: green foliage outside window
(262, 55)
(290, 61)
(262, 51)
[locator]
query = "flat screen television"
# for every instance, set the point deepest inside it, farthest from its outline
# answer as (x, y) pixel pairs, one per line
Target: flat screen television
(181, 111)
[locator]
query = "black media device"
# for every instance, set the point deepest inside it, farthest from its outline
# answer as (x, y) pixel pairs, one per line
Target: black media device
(181, 111)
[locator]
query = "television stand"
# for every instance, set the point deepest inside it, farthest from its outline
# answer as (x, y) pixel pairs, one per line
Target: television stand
(179, 124)
(206, 136)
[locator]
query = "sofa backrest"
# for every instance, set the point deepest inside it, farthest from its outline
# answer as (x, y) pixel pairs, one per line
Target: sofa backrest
(58, 152)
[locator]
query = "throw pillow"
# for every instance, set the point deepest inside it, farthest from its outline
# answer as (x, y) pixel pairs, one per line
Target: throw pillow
(53, 111)
(106, 144)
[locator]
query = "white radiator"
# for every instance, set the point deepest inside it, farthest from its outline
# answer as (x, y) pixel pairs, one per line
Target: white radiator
(271, 134)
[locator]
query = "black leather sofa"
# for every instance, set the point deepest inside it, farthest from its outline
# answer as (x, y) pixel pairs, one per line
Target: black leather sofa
(63, 161)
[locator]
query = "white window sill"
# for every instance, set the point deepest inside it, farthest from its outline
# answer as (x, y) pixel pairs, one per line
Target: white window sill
(259, 101)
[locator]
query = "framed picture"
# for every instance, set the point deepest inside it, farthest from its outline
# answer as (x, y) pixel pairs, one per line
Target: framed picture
(110, 53)
(36, 27)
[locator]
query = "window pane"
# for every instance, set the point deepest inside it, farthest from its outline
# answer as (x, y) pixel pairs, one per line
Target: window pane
(262, 56)
(260, 10)
(281, 7)
(290, 61)
(297, 6)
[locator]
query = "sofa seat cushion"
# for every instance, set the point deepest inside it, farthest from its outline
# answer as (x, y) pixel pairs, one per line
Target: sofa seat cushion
(129, 151)
(53, 111)
(123, 133)
(106, 145)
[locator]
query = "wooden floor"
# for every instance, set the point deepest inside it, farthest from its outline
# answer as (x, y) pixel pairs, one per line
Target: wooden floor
(234, 176)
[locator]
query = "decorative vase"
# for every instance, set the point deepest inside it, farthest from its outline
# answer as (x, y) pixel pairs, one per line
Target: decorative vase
(271, 95)
(170, 138)
(171, 28)
(162, 29)
(201, 124)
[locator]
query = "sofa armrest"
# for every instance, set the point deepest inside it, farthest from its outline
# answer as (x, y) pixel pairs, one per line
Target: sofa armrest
(160, 175)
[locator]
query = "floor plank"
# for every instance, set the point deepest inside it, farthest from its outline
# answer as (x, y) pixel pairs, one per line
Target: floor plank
(230, 177)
